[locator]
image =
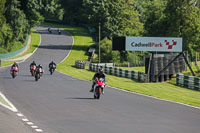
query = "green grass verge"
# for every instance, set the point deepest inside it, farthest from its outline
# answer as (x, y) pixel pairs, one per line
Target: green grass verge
(35, 40)
(3, 101)
(6, 63)
(167, 91)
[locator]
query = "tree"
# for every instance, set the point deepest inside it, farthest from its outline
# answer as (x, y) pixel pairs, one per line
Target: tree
(153, 17)
(5, 30)
(17, 20)
(51, 9)
(106, 49)
(31, 9)
(182, 20)
(117, 18)
(72, 13)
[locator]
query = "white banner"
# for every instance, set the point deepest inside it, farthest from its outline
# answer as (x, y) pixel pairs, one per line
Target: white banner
(159, 44)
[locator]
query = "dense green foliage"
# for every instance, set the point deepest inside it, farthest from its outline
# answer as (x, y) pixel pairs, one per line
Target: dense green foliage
(51, 9)
(17, 17)
(72, 13)
(116, 18)
(158, 18)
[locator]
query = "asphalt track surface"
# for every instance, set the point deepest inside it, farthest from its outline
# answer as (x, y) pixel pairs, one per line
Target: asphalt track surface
(62, 104)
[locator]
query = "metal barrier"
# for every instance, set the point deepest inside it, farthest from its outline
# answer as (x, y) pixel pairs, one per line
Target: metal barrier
(80, 64)
(139, 76)
(13, 54)
(191, 82)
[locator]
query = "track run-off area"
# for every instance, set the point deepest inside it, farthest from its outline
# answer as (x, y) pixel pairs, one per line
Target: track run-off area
(59, 103)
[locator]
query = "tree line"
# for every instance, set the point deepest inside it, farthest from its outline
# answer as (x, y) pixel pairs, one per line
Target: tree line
(158, 18)
(17, 17)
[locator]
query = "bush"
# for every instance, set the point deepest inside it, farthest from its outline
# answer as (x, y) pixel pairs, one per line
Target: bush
(3, 51)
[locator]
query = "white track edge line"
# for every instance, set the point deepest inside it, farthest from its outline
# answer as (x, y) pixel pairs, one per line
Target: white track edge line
(12, 107)
(127, 90)
(191, 106)
(69, 50)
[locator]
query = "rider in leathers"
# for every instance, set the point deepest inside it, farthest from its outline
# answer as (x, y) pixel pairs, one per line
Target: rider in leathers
(32, 64)
(98, 75)
(51, 65)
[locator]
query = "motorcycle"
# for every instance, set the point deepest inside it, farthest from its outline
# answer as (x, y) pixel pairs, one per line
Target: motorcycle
(59, 32)
(49, 29)
(52, 69)
(14, 71)
(37, 76)
(39, 73)
(98, 88)
(33, 70)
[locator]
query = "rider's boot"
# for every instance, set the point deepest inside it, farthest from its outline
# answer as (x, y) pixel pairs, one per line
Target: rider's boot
(92, 89)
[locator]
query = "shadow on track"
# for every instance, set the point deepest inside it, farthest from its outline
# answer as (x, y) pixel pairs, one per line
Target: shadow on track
(80, 98)
(55, 47)
(29, 80)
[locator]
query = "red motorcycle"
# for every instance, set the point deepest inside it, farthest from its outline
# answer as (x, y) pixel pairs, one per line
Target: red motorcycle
(14, 71)
(98, 88)
(33, 70)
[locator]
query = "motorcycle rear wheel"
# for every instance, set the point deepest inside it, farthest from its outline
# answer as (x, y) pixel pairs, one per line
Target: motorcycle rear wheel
(13, 75)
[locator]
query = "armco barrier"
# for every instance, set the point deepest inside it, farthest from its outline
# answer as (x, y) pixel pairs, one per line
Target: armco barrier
(188, 81)
(80, 64)
(13, 54)
(139, 76)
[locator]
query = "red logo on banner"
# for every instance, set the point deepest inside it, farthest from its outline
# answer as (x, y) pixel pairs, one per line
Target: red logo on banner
(170, 46)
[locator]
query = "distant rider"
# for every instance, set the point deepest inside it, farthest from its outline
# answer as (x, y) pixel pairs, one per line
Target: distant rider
(98, 75)
(59, 32)
(39, 70)
(32, 64)
(49, 29)
(52, 65)
(15, 65)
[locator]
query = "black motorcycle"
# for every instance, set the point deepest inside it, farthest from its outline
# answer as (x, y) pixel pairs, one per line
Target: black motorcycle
(37, 76)
(52, 69)
(39, 73)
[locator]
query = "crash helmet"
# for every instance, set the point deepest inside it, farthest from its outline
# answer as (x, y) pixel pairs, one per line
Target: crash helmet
(100, 71)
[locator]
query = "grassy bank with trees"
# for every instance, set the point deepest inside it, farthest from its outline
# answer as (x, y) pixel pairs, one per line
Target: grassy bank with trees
(18, 17)
(35, 41)
(82, 40)
(158, 18)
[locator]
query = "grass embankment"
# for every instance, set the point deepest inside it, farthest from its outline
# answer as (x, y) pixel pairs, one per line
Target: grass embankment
(161, 90)
(35, 40)
(2, 100)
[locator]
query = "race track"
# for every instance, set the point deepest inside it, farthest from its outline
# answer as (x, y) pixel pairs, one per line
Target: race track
(61, 104)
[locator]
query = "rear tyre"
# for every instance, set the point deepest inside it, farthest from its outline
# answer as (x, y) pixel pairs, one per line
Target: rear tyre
(13, 75)
(98, 93)
(98, 96)
(36, 77)
(32, 73)
(51, 71)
